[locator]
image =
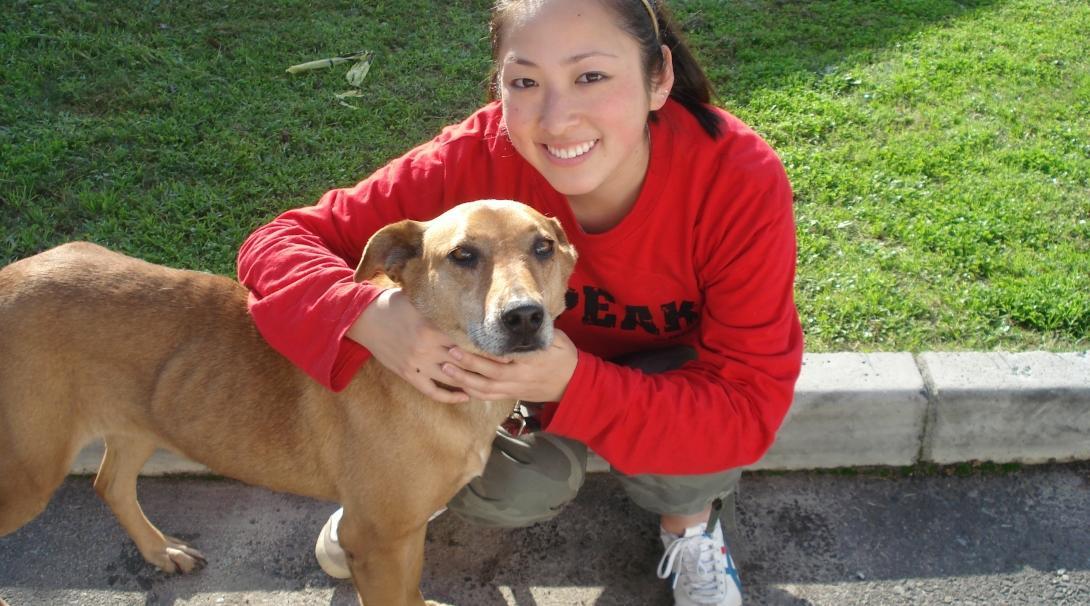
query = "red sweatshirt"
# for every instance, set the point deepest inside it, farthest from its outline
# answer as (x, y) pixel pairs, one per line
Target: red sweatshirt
(706, 258)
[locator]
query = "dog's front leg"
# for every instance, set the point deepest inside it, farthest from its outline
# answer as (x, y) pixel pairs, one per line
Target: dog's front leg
(386, 557)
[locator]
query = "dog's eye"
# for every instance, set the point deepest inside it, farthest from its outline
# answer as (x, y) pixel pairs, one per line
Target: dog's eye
(543, 249)
(463, 256)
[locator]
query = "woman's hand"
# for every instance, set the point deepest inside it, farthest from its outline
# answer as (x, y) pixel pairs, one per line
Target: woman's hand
(404, 341)
(538, 377)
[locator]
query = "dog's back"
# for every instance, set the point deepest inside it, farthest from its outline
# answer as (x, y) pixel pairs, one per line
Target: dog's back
(75, 322)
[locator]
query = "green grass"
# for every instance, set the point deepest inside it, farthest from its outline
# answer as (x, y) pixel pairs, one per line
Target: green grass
(939, 150)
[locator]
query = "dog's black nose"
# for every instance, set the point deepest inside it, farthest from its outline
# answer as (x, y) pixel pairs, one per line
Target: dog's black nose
(523, 320)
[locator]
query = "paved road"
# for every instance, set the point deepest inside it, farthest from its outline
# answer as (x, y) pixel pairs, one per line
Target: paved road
(1018, 538)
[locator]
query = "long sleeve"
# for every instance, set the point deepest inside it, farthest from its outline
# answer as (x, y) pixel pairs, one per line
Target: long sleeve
(299, 267)
(722, 410)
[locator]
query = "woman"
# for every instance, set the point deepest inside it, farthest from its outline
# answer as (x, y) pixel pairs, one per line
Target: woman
(683, 222)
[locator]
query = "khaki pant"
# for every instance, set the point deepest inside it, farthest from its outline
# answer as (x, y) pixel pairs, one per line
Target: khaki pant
(529, 479)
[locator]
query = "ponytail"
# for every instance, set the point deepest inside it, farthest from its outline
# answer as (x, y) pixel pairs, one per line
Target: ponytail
(691, 89)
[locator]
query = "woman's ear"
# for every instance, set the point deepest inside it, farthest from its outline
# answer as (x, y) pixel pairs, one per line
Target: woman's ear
(663, 82)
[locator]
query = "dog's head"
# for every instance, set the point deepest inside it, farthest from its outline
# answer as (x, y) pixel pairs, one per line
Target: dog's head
(491, 274)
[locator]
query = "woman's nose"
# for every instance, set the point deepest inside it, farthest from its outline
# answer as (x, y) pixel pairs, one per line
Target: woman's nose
(559, 112)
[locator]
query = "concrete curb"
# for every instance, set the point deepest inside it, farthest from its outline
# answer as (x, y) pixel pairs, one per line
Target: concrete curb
(852, 409)
(894, 409)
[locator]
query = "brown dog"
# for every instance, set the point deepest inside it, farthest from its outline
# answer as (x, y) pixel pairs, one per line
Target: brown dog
(95, 344)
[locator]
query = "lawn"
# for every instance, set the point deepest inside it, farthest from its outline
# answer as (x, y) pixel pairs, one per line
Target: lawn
(939, 150)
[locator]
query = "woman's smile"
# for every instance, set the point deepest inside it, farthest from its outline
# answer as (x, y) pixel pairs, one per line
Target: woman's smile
(569, 152)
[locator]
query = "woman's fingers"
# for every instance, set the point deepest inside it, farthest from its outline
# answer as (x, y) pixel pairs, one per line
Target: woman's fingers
(402, 340)
(476, 385)
(477, 363)
(423, 370)
(431, 389)
(539, 377)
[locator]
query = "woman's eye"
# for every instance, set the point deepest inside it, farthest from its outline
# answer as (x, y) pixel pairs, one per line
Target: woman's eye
(522, 83)
(543, 249)
(463, 256)
(591, 77)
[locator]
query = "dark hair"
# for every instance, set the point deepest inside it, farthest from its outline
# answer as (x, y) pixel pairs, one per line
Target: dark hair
(691, 85)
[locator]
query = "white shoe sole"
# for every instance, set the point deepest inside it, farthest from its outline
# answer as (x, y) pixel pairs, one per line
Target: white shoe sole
(330, 554)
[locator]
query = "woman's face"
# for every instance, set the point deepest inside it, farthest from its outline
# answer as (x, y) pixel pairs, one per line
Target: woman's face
(575, 100)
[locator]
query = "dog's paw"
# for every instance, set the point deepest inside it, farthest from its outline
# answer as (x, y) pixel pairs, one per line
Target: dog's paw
(176, 556)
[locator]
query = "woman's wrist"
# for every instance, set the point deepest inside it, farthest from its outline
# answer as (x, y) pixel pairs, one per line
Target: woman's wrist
(569, 362)
(362, 330)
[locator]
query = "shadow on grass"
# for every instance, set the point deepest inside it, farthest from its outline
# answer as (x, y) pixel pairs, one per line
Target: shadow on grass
(180, 123)
(746, 46)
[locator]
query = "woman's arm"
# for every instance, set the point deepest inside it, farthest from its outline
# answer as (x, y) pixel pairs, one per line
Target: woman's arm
(718, 412)
(722, 410)
(299, 267)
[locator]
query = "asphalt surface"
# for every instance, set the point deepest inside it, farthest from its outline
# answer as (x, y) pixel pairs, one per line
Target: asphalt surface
(1021, 537)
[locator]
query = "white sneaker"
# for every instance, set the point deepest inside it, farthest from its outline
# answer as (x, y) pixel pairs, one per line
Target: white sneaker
(703, 571)
(328, 550)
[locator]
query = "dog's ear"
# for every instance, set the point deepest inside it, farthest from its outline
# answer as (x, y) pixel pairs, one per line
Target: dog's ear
(390, 249)
(563, 245)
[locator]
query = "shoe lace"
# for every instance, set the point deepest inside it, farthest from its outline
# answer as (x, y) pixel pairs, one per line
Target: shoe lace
(700, 561)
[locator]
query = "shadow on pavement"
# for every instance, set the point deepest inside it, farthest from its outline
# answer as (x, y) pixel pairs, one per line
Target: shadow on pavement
(797, 530)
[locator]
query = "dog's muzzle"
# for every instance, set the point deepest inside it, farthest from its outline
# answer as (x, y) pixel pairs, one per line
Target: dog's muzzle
(522, 326)
(524, 320)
